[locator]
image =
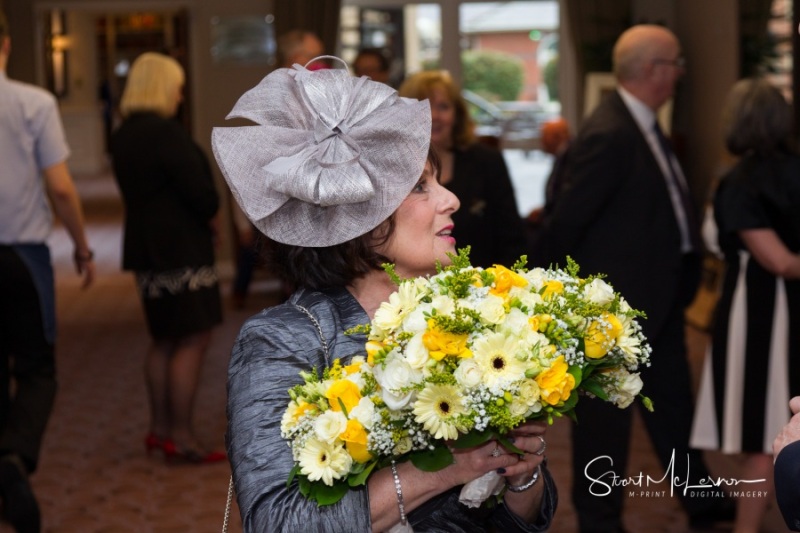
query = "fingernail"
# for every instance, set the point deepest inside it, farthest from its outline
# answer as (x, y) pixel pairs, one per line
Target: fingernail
(501, 470)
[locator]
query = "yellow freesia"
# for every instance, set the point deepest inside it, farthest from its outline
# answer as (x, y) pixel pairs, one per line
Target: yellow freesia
(555, 383)
(345, 391)
(599, 339)
(373, 348)
(302, 408)
(539, 322)
(552, 288)
(504, 280)
(355, 441)
(441, 343)
(352, 368)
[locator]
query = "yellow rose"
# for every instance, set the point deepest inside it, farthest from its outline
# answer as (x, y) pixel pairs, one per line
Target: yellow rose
(440, 343)
(345, 391)
(551, 288)
(599, 338)
(355, 441)
(504, 280)
(555, 383)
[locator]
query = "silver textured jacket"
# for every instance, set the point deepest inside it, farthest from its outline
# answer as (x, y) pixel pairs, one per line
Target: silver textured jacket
(271, 350)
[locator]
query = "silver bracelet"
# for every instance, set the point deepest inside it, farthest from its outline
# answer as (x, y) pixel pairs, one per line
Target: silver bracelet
(529, 484)
(399, 490)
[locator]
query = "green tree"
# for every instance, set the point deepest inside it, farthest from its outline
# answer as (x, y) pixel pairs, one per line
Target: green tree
(550, 78)
(493, 75)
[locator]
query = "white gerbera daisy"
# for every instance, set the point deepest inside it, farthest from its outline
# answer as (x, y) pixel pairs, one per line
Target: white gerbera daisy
(320, 460)
(496, 356)
(437, 409)
(390, 314)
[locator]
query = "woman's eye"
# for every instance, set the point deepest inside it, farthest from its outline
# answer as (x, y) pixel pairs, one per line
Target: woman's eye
(420, 186)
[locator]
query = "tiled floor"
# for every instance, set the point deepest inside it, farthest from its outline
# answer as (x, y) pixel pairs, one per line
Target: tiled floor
(94, 474)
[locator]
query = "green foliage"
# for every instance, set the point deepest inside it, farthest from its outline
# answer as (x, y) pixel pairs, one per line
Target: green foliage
(493, 75)
(432, 460)
(550, 78)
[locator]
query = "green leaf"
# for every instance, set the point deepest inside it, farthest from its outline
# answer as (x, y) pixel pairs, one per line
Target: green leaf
(570, 403)
(473, 438)
(595, 388)
(292, 473)
(577, 373)
(507, 444)
(432, 460)
(361, 477)
(325, 495)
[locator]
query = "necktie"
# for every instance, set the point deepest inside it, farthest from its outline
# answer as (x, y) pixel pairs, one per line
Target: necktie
(688, 222)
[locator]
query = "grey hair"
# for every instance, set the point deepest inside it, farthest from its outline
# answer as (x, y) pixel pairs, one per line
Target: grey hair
(756, 118)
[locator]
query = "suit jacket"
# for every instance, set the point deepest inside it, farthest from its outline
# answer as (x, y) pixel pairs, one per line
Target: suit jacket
(488, 219)
(169, 195)
(614, 216)
(787, 484)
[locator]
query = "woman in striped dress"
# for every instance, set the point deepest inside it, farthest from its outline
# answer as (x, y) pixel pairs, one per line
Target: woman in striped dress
(753, 364)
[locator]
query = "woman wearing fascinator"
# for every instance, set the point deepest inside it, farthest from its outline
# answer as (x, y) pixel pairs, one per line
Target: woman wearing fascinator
(339, 171)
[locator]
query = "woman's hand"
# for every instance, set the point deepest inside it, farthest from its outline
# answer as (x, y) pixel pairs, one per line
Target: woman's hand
(472, 463)
(529, 438)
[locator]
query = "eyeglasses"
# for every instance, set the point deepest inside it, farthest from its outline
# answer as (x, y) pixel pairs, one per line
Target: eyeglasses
(679, 62)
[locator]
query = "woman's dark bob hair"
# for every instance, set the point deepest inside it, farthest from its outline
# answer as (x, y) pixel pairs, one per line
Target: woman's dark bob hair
(757, 119)
(338, 265)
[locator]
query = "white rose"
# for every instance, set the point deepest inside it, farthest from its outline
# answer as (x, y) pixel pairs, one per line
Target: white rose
(515, 323)
(396, 375)
(632, 384)
(536, 277)
(444, 305)
(364, 412)
(416, 354)
(491, 309)
(599, 292)
(329, 425)
(527, 298)
(416, 322)
(628, 388)
(468, 374)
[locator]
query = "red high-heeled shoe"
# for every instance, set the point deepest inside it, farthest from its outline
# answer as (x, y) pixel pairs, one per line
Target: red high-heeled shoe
(174, 455)
(153, 442)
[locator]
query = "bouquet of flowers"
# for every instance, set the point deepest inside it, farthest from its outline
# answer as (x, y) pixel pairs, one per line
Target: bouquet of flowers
(460, 358)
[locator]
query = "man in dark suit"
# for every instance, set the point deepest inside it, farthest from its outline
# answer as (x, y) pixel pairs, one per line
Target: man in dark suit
(625, 211)
(786, 448)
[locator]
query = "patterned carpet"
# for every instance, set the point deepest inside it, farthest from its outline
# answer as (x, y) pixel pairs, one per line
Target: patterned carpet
(94, 474)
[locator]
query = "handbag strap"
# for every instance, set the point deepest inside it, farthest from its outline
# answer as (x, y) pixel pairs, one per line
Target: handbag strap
(226, 519)
(319, 331)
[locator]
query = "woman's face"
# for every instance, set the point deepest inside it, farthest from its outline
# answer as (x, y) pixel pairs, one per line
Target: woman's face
(423, 227)
(443, 117)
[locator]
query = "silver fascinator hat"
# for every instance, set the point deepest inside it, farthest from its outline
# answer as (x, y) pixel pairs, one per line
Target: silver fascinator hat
(331, 157)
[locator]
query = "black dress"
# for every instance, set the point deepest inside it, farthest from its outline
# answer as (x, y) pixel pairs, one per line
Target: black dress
(170, 199)
(752, 367)
(488, 219)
